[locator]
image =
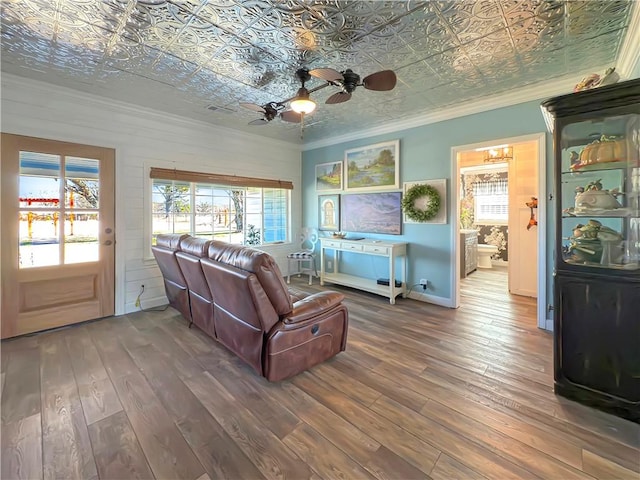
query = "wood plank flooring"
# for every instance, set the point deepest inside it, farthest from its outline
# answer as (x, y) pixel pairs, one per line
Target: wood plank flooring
(421, 392)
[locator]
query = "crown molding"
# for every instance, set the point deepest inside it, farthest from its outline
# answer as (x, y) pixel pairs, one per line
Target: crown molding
(537, 91)
(629, 58)
(9, 80)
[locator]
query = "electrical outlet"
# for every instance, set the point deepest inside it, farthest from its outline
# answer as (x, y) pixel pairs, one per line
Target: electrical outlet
(424, 282)
(330, 265)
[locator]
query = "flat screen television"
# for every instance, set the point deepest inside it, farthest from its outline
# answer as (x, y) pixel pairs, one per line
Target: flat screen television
(372, 213)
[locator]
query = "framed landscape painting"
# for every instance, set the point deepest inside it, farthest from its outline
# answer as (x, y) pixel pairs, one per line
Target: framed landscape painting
(372, 213)
(373, 167)
(329, 176)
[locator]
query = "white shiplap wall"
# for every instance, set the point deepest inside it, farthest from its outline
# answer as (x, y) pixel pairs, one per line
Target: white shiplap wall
(144, 138)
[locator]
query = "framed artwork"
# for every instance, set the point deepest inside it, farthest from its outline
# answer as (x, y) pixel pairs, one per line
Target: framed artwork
(373, 167)
(372, 213)
(329, 212)
(329, 176)
(441, 187)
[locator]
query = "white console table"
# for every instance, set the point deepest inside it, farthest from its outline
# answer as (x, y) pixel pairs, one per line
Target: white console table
(380, 248)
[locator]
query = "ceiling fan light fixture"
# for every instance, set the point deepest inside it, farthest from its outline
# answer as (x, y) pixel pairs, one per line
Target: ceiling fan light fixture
(302, 103)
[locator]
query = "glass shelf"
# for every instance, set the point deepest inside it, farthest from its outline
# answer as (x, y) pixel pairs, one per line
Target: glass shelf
(597, 167)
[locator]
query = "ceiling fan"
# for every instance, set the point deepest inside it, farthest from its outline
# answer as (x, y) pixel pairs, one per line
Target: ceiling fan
(270, 111)
(301, 105)
(348, 80)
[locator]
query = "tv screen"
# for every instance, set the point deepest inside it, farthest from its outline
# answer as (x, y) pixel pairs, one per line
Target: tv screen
(372, 213)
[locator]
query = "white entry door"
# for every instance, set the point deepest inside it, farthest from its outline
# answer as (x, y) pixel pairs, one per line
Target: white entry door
(58, 239)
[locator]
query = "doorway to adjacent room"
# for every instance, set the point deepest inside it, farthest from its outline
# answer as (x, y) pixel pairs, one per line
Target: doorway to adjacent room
(499, 232)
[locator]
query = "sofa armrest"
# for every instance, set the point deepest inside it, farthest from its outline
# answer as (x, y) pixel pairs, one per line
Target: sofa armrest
(313, 305)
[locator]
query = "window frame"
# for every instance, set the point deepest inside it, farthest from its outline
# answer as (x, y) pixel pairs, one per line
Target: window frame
(491, 220)
(285, 186)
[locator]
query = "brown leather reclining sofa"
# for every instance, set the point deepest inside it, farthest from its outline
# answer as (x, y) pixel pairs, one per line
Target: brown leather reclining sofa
(247, 306)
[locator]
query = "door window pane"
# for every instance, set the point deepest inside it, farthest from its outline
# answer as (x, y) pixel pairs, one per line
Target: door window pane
(39, 203)
(81, 188)
(81, 227)
(39, 239)
(81, 237)
(39, 180)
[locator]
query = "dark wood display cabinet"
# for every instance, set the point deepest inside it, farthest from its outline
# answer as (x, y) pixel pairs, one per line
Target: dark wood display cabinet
(597, 249)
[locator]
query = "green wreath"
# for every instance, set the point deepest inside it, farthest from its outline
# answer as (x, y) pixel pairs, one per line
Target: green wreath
(421, 214)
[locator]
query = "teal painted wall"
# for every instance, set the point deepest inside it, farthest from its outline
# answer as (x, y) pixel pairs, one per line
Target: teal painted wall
(425, 153)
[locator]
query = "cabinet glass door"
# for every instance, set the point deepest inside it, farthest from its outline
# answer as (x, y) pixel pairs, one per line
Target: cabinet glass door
(600, 190)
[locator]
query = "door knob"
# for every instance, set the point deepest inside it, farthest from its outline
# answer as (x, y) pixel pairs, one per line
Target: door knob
(108, 242)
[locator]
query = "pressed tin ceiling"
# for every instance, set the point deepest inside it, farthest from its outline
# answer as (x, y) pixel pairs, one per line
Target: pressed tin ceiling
(201, 58)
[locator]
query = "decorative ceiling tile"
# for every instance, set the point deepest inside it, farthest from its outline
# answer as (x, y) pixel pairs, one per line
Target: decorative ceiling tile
(593, 19)
(516, 11)
(450, 94)
(394, 58)
(541, 66)
(200, 58)
(490, 51)
(452, 64)
(469, 21)
(601, 52)
(420, 76)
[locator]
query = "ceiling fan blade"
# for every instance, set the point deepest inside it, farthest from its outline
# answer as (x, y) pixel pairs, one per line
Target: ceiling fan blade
(328, 74)
(380, 81)
(259, 121)
(338, 98)
(290, 116)
(253, 106)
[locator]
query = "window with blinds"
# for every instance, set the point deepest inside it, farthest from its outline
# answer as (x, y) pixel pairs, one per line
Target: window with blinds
(238, 210)
(491, 201)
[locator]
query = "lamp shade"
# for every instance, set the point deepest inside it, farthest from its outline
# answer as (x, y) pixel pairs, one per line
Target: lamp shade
(302, 103)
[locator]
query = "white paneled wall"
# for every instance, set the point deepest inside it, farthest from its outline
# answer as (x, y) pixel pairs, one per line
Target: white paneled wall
(144, 138)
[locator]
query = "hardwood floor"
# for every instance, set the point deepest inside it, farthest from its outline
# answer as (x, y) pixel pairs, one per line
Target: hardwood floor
(421, 392)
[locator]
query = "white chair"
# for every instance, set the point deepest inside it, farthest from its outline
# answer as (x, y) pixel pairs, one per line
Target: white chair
(306, 256)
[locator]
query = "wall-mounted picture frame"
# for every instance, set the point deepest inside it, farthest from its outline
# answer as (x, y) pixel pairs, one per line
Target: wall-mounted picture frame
(329, 176)
(373, 167)
(440, 185)
(372, 213)
(329, 212)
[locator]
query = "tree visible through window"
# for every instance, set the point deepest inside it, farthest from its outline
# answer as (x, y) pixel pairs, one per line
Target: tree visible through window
(239, 215)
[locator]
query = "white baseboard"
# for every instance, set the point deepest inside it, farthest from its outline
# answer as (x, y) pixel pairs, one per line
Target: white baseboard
(425, 297)
(147, 303)
(549, 324)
